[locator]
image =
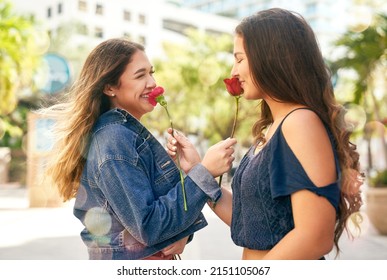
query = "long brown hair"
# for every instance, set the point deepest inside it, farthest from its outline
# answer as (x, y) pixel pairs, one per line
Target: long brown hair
(286, 63)
(75, 118)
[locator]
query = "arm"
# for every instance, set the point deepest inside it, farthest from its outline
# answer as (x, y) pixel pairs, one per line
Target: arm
(176, 248)
(314, 217)
(312, 236)
(223, 207)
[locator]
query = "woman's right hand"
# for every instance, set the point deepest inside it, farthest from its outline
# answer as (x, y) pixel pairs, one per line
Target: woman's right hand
(219, 157)
(217, 160)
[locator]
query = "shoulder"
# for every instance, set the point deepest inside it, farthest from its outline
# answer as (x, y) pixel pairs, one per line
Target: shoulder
(308, 138)
(116, 132)
(303, 125)
(114, 140)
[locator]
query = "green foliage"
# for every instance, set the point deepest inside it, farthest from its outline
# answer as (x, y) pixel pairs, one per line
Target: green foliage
(13, 126)
(23, 43)
(192, 76)
(380, 180)
(364, 53)
(18, 56)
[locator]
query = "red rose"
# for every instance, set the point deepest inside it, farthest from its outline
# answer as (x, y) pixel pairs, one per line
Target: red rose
(153, 96)
(233, 86)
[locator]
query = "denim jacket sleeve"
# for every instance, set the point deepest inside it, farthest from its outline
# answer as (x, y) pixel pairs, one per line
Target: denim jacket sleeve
(204, 180)
(152, 217)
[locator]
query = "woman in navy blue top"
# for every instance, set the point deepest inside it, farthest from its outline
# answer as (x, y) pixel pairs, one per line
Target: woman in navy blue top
(296, 187)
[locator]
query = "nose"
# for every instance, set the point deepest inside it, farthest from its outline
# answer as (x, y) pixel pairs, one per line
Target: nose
(234, 71)
(151, 83)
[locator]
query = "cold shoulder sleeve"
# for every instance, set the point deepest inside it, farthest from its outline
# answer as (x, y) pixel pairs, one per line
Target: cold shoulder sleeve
(288, 176)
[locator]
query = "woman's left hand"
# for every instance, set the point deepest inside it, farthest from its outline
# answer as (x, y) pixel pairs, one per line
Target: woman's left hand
(175, 248)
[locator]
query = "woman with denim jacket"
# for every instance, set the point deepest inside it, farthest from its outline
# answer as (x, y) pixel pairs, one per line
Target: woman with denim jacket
(297, 187)
(127, 189)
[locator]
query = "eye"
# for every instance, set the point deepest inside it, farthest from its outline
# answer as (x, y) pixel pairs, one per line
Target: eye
(140, 76)
(238, 59)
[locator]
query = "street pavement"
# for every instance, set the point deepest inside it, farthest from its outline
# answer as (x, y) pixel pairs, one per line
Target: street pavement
(53, 234)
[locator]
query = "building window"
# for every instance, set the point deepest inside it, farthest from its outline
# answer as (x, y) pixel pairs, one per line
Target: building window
(142, 19)
(177, 26)
(82, 6)
(98, 32)
(99, 9)
(60, 8)
(127, 16)
(49, 12)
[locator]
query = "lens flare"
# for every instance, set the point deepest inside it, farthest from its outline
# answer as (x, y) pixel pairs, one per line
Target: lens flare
(98, 221)
(360, 18)
(209, 72)
(355, 117)
(39, 42)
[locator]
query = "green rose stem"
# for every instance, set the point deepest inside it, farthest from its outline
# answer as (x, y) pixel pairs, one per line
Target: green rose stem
(178, 164)
(164, 104)
(156, 96)
(233, 128)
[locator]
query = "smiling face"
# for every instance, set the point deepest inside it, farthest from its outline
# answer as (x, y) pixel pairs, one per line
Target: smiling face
(241, 70)
(135, 83)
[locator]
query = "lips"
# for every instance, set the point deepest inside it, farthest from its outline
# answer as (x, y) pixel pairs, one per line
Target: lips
(145, 95)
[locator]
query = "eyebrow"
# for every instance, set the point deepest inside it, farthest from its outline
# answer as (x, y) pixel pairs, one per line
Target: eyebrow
(238, 53)
(142, 70)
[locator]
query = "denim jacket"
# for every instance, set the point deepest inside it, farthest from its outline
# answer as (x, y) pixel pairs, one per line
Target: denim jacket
(130, 198)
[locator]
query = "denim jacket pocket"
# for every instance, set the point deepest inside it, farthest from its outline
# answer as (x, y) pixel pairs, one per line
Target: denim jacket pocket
(167, 177)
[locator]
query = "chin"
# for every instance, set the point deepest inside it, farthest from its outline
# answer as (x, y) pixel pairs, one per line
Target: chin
(248, 97)
(150, 109)
(251, 96)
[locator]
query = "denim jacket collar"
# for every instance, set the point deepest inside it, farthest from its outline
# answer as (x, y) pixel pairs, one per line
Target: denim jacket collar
(119, 115)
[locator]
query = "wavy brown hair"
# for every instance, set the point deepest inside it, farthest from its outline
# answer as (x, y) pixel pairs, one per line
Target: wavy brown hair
(286, 63)
(75, 118)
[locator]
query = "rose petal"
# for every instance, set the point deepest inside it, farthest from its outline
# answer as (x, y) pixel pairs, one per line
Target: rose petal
(157, 91)
(233, 86)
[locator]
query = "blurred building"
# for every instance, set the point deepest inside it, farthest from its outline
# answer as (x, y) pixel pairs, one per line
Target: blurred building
(153, 21)
(328, 18)
(149, 22)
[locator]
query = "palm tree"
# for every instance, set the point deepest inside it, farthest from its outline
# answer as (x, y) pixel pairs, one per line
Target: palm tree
(366, 54)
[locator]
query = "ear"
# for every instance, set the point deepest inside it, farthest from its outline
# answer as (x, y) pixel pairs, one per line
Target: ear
(109, 91)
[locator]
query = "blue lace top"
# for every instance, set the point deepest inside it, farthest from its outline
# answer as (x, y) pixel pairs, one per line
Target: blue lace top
(262, 185)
